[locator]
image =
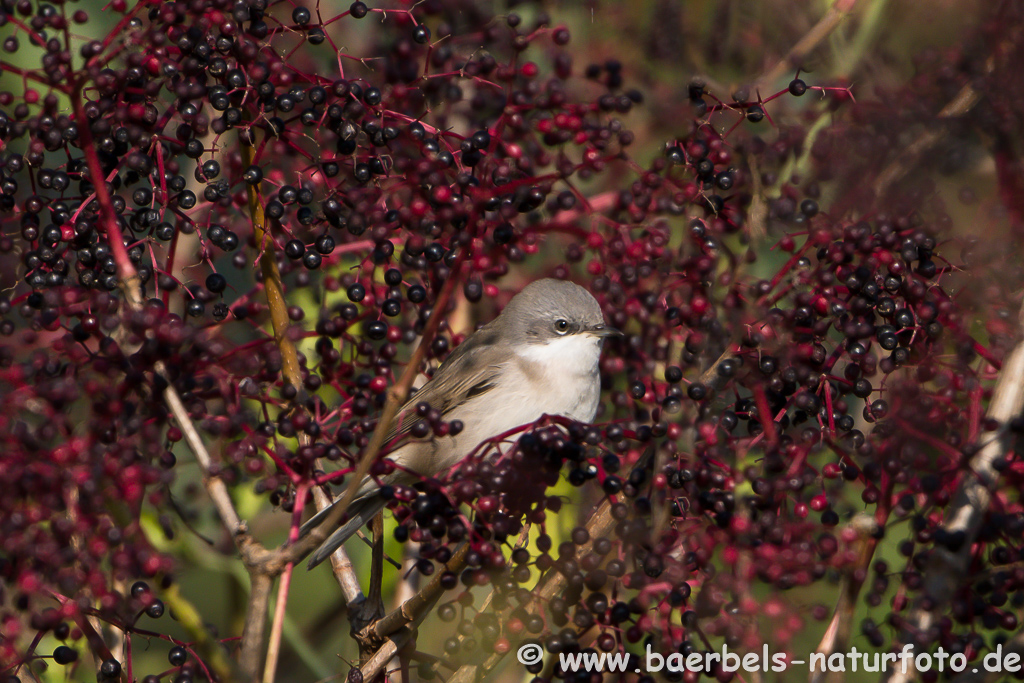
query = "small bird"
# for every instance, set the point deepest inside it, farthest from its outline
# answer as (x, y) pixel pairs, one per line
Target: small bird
(539, 357)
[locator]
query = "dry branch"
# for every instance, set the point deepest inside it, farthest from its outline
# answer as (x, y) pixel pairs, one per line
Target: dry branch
(819, 32)
(416, 607)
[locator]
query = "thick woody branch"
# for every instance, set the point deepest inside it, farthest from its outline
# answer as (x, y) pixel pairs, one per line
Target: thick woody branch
(415, 608)
(947, 568)
(255, 624)
(600, 525)
(396, 628)
(375, 664)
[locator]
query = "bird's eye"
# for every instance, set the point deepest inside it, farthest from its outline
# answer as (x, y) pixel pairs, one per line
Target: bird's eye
(561, 326)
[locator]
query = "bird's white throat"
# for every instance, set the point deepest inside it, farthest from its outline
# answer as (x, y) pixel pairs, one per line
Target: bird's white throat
(573, 355)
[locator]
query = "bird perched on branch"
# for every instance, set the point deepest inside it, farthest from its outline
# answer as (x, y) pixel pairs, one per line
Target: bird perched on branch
(539, 357)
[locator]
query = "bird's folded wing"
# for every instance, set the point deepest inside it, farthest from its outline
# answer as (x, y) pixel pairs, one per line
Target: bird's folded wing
(470, 371)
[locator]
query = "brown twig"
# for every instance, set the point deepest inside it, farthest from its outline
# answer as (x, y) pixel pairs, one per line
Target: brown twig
(274, 564)
(272, 285)
(710, 377)
(217, 489)
(341, 565)
(273, 288)
(819, 32)
(261, 575)
(758, 212)
(261, 564)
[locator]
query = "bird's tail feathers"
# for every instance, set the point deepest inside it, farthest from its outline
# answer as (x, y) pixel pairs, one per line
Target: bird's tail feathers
(318, 519)
(360, 512)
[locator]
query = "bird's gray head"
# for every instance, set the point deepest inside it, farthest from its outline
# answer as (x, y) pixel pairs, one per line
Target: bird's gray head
(547, 310)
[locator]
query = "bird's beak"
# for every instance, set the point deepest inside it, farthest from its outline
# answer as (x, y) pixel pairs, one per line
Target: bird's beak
(604, 331)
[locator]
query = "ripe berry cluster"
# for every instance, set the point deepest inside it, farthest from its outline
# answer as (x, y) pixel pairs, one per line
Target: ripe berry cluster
(799, 347)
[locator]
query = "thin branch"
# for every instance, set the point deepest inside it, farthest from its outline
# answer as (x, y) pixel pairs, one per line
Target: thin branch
(128, 276)
(273, 288)
(92, 637)
(260, 574)
(837, 636)
(341, 565)
(216, 487)
(131, 286)
(272, 285)
(819, 32)
(271, 564)
(277, 626)
(711, 377)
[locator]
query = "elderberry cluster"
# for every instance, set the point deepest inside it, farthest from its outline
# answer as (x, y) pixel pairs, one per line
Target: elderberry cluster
(263, 207)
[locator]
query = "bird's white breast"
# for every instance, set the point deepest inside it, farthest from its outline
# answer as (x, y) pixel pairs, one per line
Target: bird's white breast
(560, 377)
